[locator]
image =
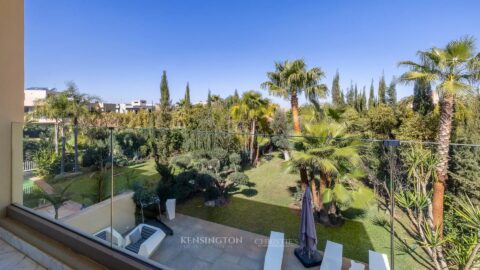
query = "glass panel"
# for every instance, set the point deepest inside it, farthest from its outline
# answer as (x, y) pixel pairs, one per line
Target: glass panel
(66, 175)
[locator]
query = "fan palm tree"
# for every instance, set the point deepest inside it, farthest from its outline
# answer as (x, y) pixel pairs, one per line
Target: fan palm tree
(328, 151)
(452, 69)
(78, 106)
(252, 108)
(290, 79)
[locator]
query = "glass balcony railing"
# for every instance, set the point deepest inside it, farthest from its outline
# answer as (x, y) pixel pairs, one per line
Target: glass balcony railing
(195, 198)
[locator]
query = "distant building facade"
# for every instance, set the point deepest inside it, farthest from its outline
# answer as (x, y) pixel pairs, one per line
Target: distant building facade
(33, 95)
(135, 106)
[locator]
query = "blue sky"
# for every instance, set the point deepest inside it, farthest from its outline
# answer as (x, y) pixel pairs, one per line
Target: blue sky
(117, 49)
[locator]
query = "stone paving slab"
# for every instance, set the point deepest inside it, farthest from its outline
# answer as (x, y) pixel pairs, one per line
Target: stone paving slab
(10, 258)
(189, 248)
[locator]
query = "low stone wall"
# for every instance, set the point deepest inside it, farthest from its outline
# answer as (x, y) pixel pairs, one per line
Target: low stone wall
(97, 217)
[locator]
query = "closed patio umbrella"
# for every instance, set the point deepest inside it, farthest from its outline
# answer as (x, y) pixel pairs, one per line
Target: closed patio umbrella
(307, 251)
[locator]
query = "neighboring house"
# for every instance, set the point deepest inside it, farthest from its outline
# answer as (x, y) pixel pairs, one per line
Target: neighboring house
(135, 106)
(34, 94)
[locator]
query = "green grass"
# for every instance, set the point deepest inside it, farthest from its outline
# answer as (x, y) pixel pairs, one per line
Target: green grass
(83, 187)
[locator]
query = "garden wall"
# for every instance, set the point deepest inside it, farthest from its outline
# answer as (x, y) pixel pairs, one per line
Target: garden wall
(97, 217)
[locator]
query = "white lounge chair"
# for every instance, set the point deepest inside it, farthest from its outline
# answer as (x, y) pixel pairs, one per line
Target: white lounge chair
(105, 235)
(377, 261)
(356, 265)
(274, 255)
(332, 258)
(144, 240)
(170, 205)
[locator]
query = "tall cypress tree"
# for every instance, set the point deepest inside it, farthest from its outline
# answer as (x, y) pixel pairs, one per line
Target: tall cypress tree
(351, 96)
(392, 93)
(209, 98)
(187, 101)
(371, 97)
(422, 97)
(336, 95)
(363, 100)
(164, 91)
(382, 89)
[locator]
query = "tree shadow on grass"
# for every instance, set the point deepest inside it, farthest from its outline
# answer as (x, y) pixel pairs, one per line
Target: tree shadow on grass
(401, 245)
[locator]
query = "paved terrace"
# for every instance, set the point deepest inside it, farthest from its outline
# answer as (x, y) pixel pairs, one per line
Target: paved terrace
(10, 258)
(248, 254)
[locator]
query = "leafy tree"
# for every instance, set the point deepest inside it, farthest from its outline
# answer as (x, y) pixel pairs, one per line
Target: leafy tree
(290, 79)
(391, 96)
(78, 107)
(371, 97)
(422, 97)
(382, 121)
(336, 92)
(452, 68)
(279, 126)
(252, 109)
(382, 89)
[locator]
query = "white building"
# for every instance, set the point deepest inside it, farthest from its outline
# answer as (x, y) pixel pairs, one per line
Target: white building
(34, 94)
(135, 106)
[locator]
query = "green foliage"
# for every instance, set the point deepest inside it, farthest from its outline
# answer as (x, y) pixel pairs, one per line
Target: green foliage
(48, 163)
(391, 95)
(164, 91)
(235, 161)
(382, 121)
(239, 178)
(337, 98)
(382, 91)
(371, 97)
(422, 97)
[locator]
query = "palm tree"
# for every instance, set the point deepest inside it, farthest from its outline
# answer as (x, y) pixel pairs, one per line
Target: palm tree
(252, 109)
(78, 106)
(56, 199)
(328, 151)
(290, 79)
(452, 69)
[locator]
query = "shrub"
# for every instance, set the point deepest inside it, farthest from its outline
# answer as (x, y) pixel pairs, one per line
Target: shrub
(48, 163)
(239, 178)
(235, 161)
(95, 156)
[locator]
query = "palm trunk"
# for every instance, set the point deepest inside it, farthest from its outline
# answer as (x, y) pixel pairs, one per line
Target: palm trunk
(257, 154)
(56, 212)
(444, 133)
(62, 162)
(252, 142)
(303, 178)
(472, 257)
(314, 191)
(286, 155)
(323, 186)
(296, 119)
(56, 136)
(75, 142)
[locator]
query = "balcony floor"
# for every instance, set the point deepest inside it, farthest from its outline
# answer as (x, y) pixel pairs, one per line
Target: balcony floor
(176, 252)
(11, 258)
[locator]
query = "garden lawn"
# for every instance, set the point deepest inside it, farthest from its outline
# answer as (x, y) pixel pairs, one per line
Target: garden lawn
(268, 211)
(83, 187)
